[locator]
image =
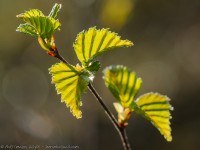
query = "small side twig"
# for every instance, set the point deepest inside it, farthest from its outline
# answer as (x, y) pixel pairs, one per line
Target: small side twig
(59, 57)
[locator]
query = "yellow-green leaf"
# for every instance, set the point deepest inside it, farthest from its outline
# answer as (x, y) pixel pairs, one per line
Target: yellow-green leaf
(54, 12)
(70, 82)
(156, 108)
(31, 13)
(39, 25)
(27, 29)
(44, 26)
(123, 84)
(93, 42)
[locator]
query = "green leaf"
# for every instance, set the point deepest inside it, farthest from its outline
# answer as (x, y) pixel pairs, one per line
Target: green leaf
(43, 26)
(54, 12)
(70, 82)
(94, 67)
(156, 108)
(93, 42)
(31, 13)
(27, 29)
(122, 83)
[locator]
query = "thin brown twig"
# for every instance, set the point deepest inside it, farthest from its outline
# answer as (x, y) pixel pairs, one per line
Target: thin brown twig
(121, 130)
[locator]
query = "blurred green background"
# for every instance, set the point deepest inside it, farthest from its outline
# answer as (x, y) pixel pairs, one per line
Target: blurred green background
(166, 55)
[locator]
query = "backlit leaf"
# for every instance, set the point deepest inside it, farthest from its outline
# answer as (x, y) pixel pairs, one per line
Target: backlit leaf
(54, 12)
(27, 29)
(156, 108)
(93, 42)
(43, 26)
(70, 82)
(123, 84)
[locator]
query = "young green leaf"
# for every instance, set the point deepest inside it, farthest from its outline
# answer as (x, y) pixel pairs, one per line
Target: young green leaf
(156, 108)
(54, 12)
(93, 42)
(41, 26)
(93, 67)
(123, 84)
(70, 82)
(27, 29)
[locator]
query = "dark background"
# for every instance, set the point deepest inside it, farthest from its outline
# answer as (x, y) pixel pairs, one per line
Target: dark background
(166, 55)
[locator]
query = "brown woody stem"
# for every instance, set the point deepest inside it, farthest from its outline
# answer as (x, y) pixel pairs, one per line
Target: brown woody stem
(121, 130)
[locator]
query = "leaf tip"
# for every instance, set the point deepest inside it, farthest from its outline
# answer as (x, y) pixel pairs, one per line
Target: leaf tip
(129, 43)
(20, 16)
(77, 114)
(168, 137)
(54, 12)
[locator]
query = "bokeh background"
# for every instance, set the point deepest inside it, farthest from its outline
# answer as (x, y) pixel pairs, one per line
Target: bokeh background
(166, 55)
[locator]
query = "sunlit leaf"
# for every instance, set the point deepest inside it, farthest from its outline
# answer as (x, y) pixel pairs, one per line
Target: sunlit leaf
(54, 12)
(156, 108)
(27, 29)
(123, 84)
(43, 26)
(93, 42)
(70, 82)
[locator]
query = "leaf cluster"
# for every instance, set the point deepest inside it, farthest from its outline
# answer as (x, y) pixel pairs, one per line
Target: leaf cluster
(124, 85)
(41, 26)
(72, 81)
